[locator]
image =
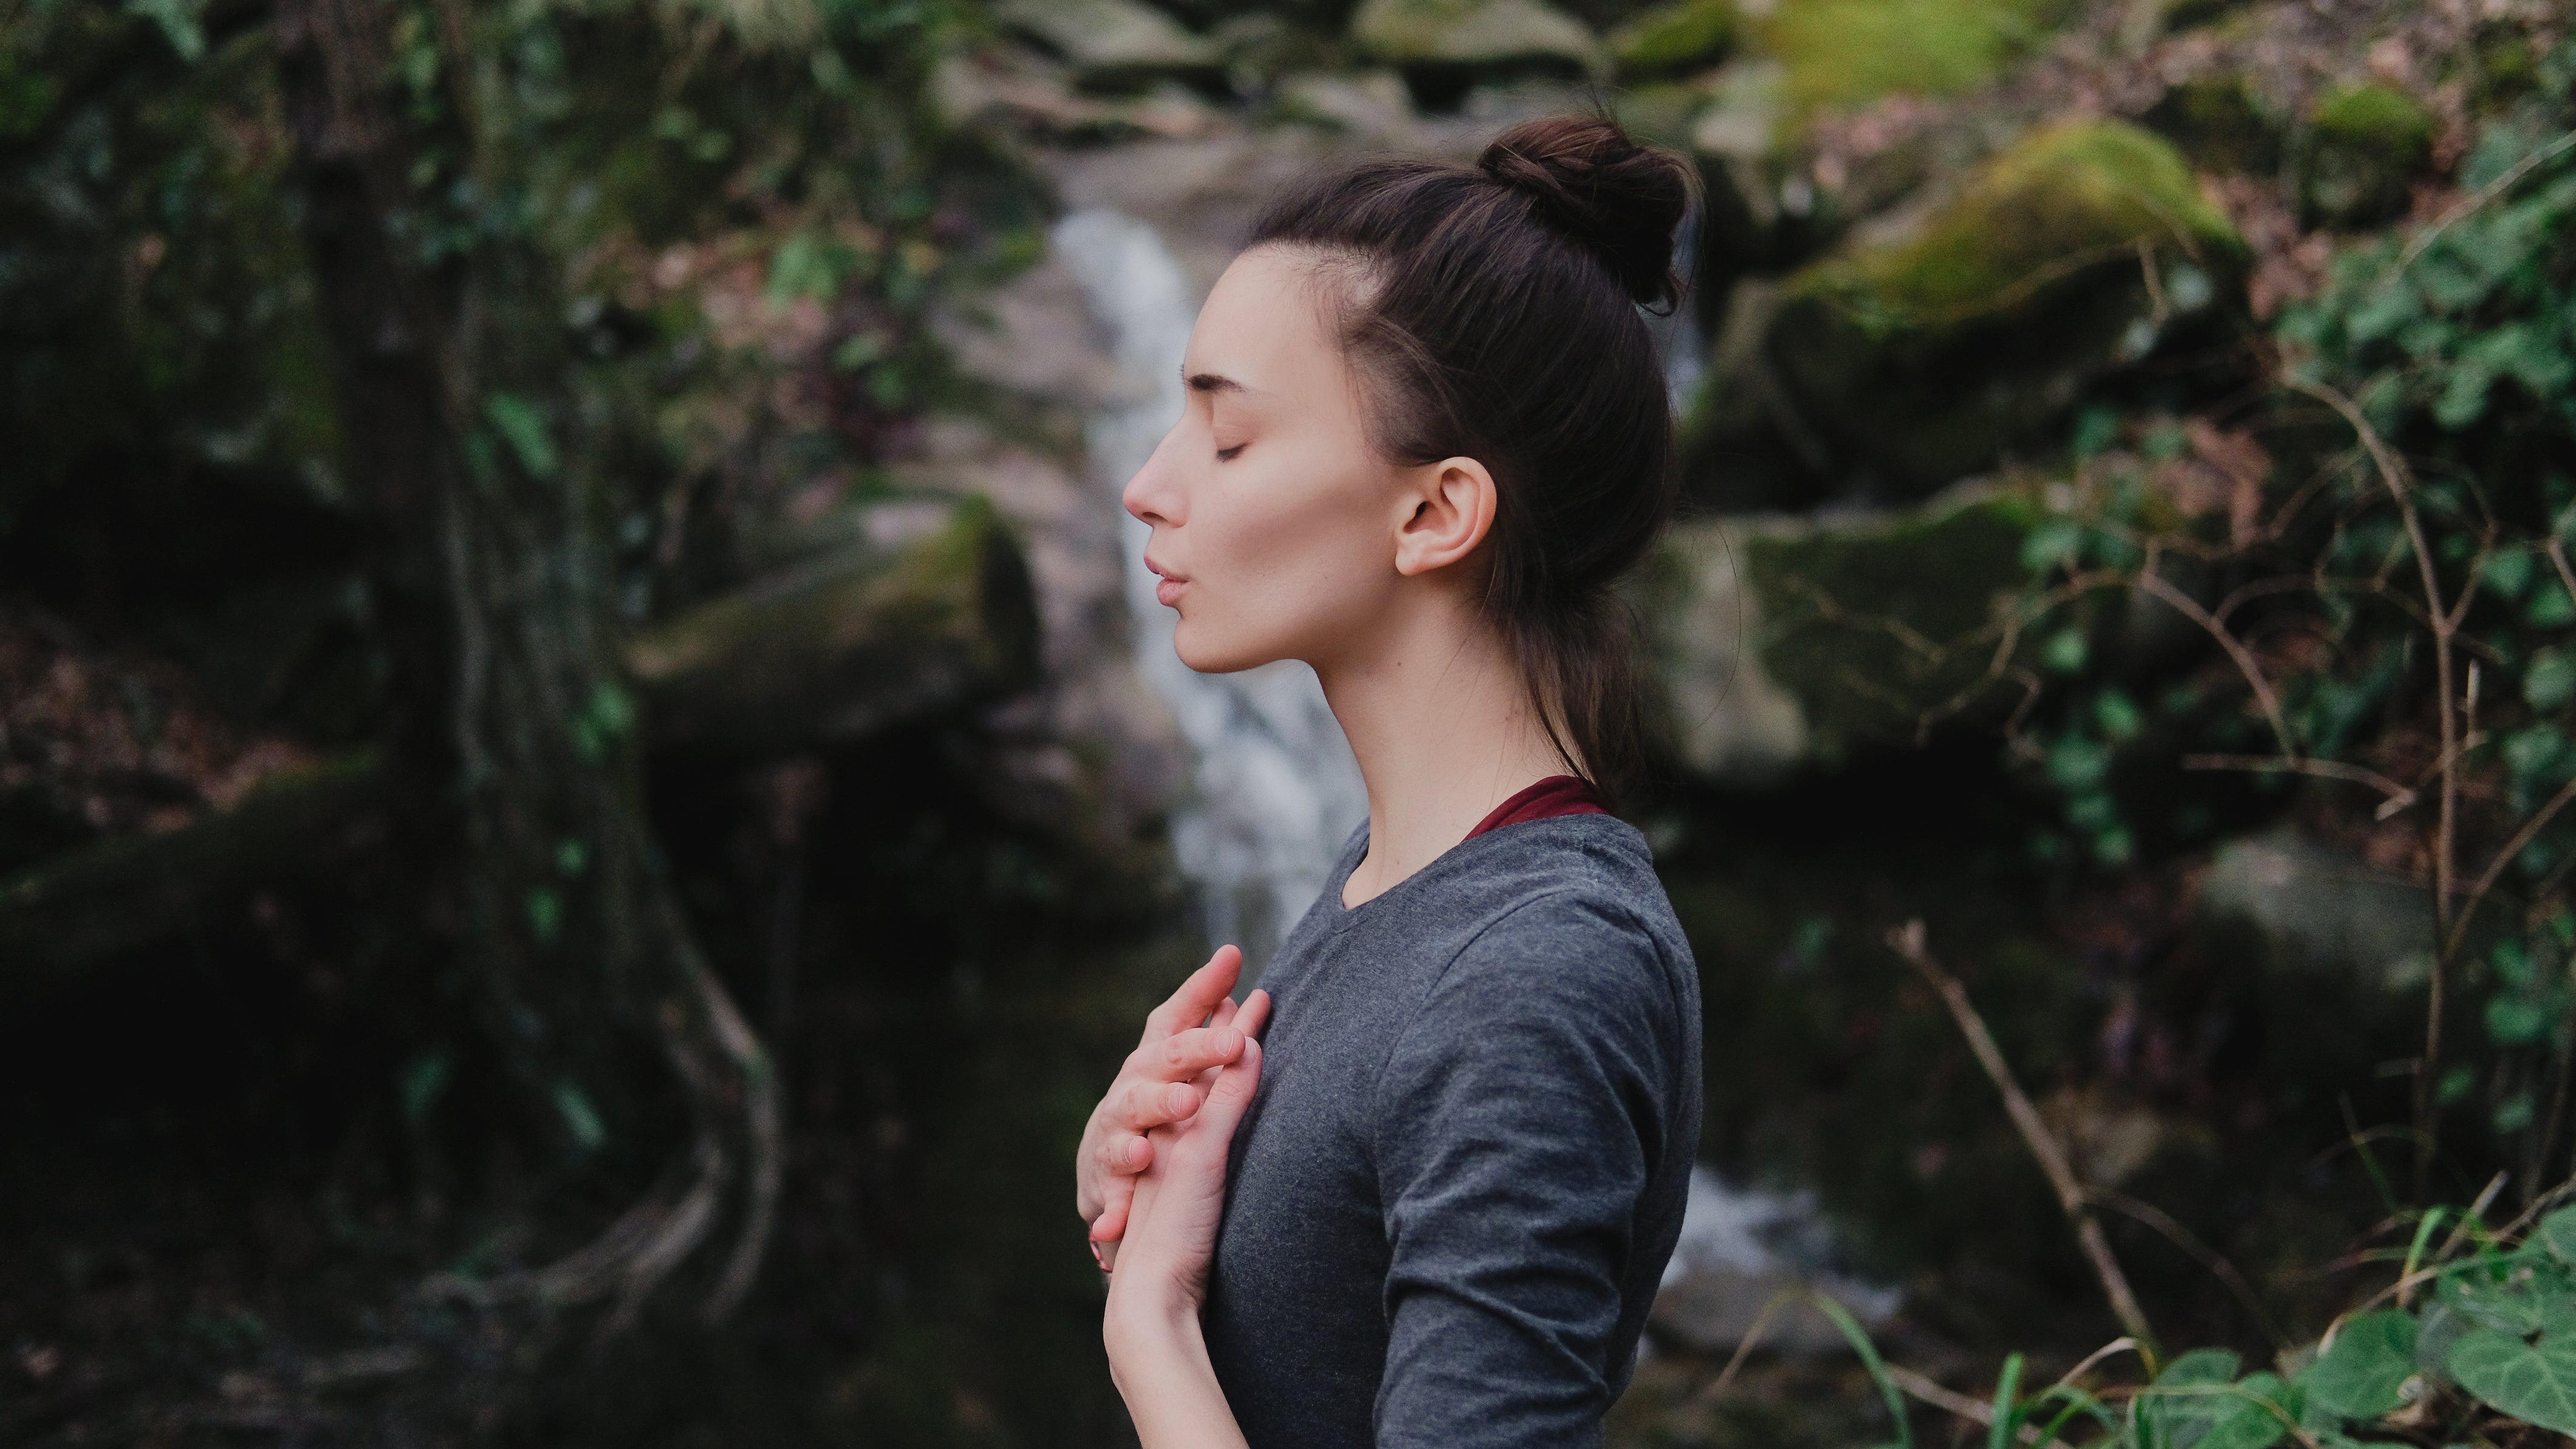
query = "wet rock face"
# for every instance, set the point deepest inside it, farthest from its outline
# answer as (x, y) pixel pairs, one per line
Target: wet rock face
(2074, 252)
(1770, 641)
(1115, 44)
(1443, 46)
(2367, 145)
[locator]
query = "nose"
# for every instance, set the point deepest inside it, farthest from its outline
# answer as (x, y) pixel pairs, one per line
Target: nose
(1154, 494)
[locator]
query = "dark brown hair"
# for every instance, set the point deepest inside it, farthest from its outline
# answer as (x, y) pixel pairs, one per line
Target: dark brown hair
(1494, 311)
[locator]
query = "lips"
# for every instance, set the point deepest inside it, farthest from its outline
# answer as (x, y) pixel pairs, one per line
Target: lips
(1167, 589)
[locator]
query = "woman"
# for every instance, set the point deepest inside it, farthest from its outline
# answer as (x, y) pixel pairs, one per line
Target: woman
(1426, 431)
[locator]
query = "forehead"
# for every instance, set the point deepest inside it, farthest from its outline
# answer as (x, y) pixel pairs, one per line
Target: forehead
(1263, 323)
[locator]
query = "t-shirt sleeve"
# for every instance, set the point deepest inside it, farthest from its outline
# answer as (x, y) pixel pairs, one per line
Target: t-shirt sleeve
(1516, 1121)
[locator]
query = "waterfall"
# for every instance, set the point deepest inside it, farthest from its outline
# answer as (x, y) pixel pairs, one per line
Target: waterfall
(1273, 789)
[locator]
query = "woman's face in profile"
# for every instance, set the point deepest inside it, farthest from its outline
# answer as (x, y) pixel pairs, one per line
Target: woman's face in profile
(1274, 523)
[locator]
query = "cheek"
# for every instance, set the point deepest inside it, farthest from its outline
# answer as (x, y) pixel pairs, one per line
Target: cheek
(1292, 547)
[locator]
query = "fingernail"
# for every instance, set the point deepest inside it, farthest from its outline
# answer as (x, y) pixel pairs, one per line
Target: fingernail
(1179, 1099)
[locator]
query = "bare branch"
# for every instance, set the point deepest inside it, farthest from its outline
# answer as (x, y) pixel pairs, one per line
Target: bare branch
(1907, 941)
(2538, 822)
(2399, 796)
(2444, 623)
(2208, 1257)
(2483, 195)
(2246, 664)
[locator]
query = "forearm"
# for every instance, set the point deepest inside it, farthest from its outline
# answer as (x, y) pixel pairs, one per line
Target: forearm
(1160, 1363)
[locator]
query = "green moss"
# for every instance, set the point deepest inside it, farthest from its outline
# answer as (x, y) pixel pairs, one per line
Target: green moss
(1846, 52)
(2053, 203)
(2366, 144)
(2374, 118)
(1674, 37)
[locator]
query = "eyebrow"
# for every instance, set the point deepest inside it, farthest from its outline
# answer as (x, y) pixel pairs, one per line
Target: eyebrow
(1212, 382)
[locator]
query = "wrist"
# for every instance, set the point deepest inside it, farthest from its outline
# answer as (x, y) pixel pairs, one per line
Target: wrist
(1148, 1308)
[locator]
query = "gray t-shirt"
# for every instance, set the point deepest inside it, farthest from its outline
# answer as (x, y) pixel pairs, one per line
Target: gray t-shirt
(1454, 1194)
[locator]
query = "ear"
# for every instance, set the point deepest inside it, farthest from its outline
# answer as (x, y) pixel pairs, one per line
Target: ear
(1449, 510)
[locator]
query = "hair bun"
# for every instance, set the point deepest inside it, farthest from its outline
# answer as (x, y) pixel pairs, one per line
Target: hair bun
(1591, 180)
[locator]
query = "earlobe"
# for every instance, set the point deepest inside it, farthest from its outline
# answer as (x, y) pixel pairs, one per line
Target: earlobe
(1452, 509)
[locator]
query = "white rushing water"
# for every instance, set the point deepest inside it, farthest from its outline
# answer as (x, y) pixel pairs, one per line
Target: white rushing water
(1273, 790)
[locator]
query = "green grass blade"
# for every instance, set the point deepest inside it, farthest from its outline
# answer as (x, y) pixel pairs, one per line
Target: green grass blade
(1850, 1329)
(1999, 1434)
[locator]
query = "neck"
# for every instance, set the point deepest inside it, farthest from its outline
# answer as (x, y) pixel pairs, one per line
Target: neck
(1436, 711)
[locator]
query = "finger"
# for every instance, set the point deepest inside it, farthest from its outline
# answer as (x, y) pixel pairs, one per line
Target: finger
(1181, 1058)
(1231, 1095)
(1255, 1013)
(1198, 995)
(1123, 1155)
(1224, 1012)
(1111, 1225)
(1152, 1104)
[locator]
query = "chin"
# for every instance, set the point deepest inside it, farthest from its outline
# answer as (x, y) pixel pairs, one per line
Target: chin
(1207, 651)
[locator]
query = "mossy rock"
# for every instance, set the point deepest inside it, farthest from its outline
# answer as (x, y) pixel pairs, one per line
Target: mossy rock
(1467, 39)
(2072, 253)
(2219, 124)
(1114, 44)
(1850, 52)
(2366, 144)
(849, 640)
(1671, 39)
(1789, 645)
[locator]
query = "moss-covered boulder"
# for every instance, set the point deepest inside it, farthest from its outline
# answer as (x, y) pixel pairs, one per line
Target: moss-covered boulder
(1918, 359)
(920, 608)
(1684, 35)
(1785, 644)
(1114, 44)
(1849, 52)
(1445, 43)
(2366, 146)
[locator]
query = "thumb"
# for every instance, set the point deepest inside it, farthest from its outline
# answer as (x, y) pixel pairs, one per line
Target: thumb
(1232, 1094)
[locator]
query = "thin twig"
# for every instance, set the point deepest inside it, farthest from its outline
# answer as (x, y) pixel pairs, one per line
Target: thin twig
(1744, 1347)
(2208, 1257)
(2399, 796)
(2444, 624)
(1907, 941)
(2484, 194)
(1922, 1386)
(2504, 856)
(2189, 607)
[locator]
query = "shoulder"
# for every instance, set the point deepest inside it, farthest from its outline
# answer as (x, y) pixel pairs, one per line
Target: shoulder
(1574, 916)
(1578, 884)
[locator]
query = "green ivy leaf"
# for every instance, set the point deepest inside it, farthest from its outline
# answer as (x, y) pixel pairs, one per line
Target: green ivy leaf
(2516, 1020)
(2359, 1376)
(2557, 1233)
(2054, 542)
(2519, 1293)
(2259, 1416)
(2534, 1382)
(524, 429)
(2550, 679)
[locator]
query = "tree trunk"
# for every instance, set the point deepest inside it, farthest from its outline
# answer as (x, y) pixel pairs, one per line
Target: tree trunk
(515, 758)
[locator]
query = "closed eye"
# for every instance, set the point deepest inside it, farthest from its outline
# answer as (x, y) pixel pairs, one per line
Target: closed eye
(1227, 455)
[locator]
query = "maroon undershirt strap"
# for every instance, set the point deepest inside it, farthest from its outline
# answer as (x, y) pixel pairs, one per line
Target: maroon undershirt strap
(1553, 796)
